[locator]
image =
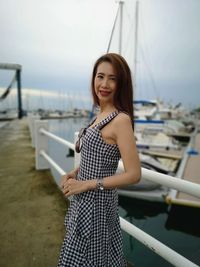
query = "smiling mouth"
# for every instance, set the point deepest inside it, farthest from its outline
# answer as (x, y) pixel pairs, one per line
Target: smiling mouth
(104, 93)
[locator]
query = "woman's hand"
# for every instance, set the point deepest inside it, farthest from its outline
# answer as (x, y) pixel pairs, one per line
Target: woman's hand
(67, 176)
(74, 187)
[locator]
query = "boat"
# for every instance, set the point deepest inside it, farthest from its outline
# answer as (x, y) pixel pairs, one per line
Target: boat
(162, 137)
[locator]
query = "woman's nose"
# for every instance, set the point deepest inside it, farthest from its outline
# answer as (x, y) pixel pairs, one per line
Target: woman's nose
(104, 83)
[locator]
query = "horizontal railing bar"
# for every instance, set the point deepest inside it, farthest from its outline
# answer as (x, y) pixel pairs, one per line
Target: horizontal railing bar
(54, 165)
(172, 182)
(58, 139)
(156, 246)
(10, 66)
(163, 179)
(169, 181)
(52, 162)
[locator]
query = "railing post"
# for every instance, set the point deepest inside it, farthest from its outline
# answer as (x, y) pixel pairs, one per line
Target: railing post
(76, 155)
(41, 143)
(32, 120)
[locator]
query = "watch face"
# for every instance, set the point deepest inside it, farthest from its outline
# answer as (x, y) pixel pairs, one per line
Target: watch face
(101, 187)
(100, 184)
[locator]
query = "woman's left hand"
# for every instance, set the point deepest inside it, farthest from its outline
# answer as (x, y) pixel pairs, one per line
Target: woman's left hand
(74, 187)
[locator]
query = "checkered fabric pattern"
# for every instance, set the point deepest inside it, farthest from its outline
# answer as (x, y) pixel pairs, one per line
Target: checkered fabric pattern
(93, 237)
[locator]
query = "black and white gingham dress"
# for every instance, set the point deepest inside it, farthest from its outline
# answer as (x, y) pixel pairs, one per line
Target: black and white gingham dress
(93, 237)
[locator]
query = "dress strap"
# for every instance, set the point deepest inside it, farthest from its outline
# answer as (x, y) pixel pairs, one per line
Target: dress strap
(104, 122)
(91, 121)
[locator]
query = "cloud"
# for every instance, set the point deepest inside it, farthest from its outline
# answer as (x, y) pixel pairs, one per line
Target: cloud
(28, 92)
(57, 42)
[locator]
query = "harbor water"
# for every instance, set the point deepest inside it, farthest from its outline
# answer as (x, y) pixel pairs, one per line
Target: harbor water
(178, 227)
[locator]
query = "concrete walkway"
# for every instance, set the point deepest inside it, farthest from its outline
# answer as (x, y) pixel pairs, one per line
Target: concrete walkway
(32, 208)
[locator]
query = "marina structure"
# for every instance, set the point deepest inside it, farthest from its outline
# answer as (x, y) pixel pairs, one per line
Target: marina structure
(16, 78)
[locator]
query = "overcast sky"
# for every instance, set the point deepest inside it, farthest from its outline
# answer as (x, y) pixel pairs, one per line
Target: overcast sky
(57, 42)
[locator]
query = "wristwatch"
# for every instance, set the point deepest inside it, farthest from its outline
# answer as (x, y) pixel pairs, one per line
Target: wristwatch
(100, 184)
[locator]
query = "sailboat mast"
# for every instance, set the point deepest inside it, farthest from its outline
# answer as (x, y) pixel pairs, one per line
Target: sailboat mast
(136, 42)
(120, 25)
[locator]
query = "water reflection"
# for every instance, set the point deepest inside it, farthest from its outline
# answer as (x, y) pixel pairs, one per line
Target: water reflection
(140, 209)
(178, 227)
(184, 219)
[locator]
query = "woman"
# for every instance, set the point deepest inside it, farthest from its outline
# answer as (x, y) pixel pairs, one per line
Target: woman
(93, 231)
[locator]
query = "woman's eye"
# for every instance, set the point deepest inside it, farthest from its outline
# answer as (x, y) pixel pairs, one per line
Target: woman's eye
(100, 76)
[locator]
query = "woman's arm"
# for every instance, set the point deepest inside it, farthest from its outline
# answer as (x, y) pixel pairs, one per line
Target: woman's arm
(125, 140)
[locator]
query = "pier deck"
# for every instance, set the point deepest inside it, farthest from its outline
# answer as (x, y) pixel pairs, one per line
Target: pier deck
(32, 207)
(192, 174)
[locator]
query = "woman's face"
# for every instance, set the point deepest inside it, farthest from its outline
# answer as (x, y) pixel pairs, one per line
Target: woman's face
(105, 82)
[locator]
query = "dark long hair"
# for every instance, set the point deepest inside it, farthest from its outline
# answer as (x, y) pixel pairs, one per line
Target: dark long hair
(123, 98)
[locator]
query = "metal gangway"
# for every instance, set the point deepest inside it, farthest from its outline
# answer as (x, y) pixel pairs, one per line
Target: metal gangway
(16, 78)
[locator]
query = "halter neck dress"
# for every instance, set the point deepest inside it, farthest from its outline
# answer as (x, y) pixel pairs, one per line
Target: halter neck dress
(93, 234)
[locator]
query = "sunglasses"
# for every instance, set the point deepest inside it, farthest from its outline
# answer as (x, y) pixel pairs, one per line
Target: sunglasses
(78, 144)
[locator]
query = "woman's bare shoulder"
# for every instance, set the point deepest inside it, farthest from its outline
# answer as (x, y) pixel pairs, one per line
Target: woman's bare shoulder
(122, 119)
(123, 130)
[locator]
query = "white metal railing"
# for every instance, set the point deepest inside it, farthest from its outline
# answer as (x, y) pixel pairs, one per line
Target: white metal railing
(190, 188)
(170, 181)
(58, 139)
(158, 247)
(52, 162)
